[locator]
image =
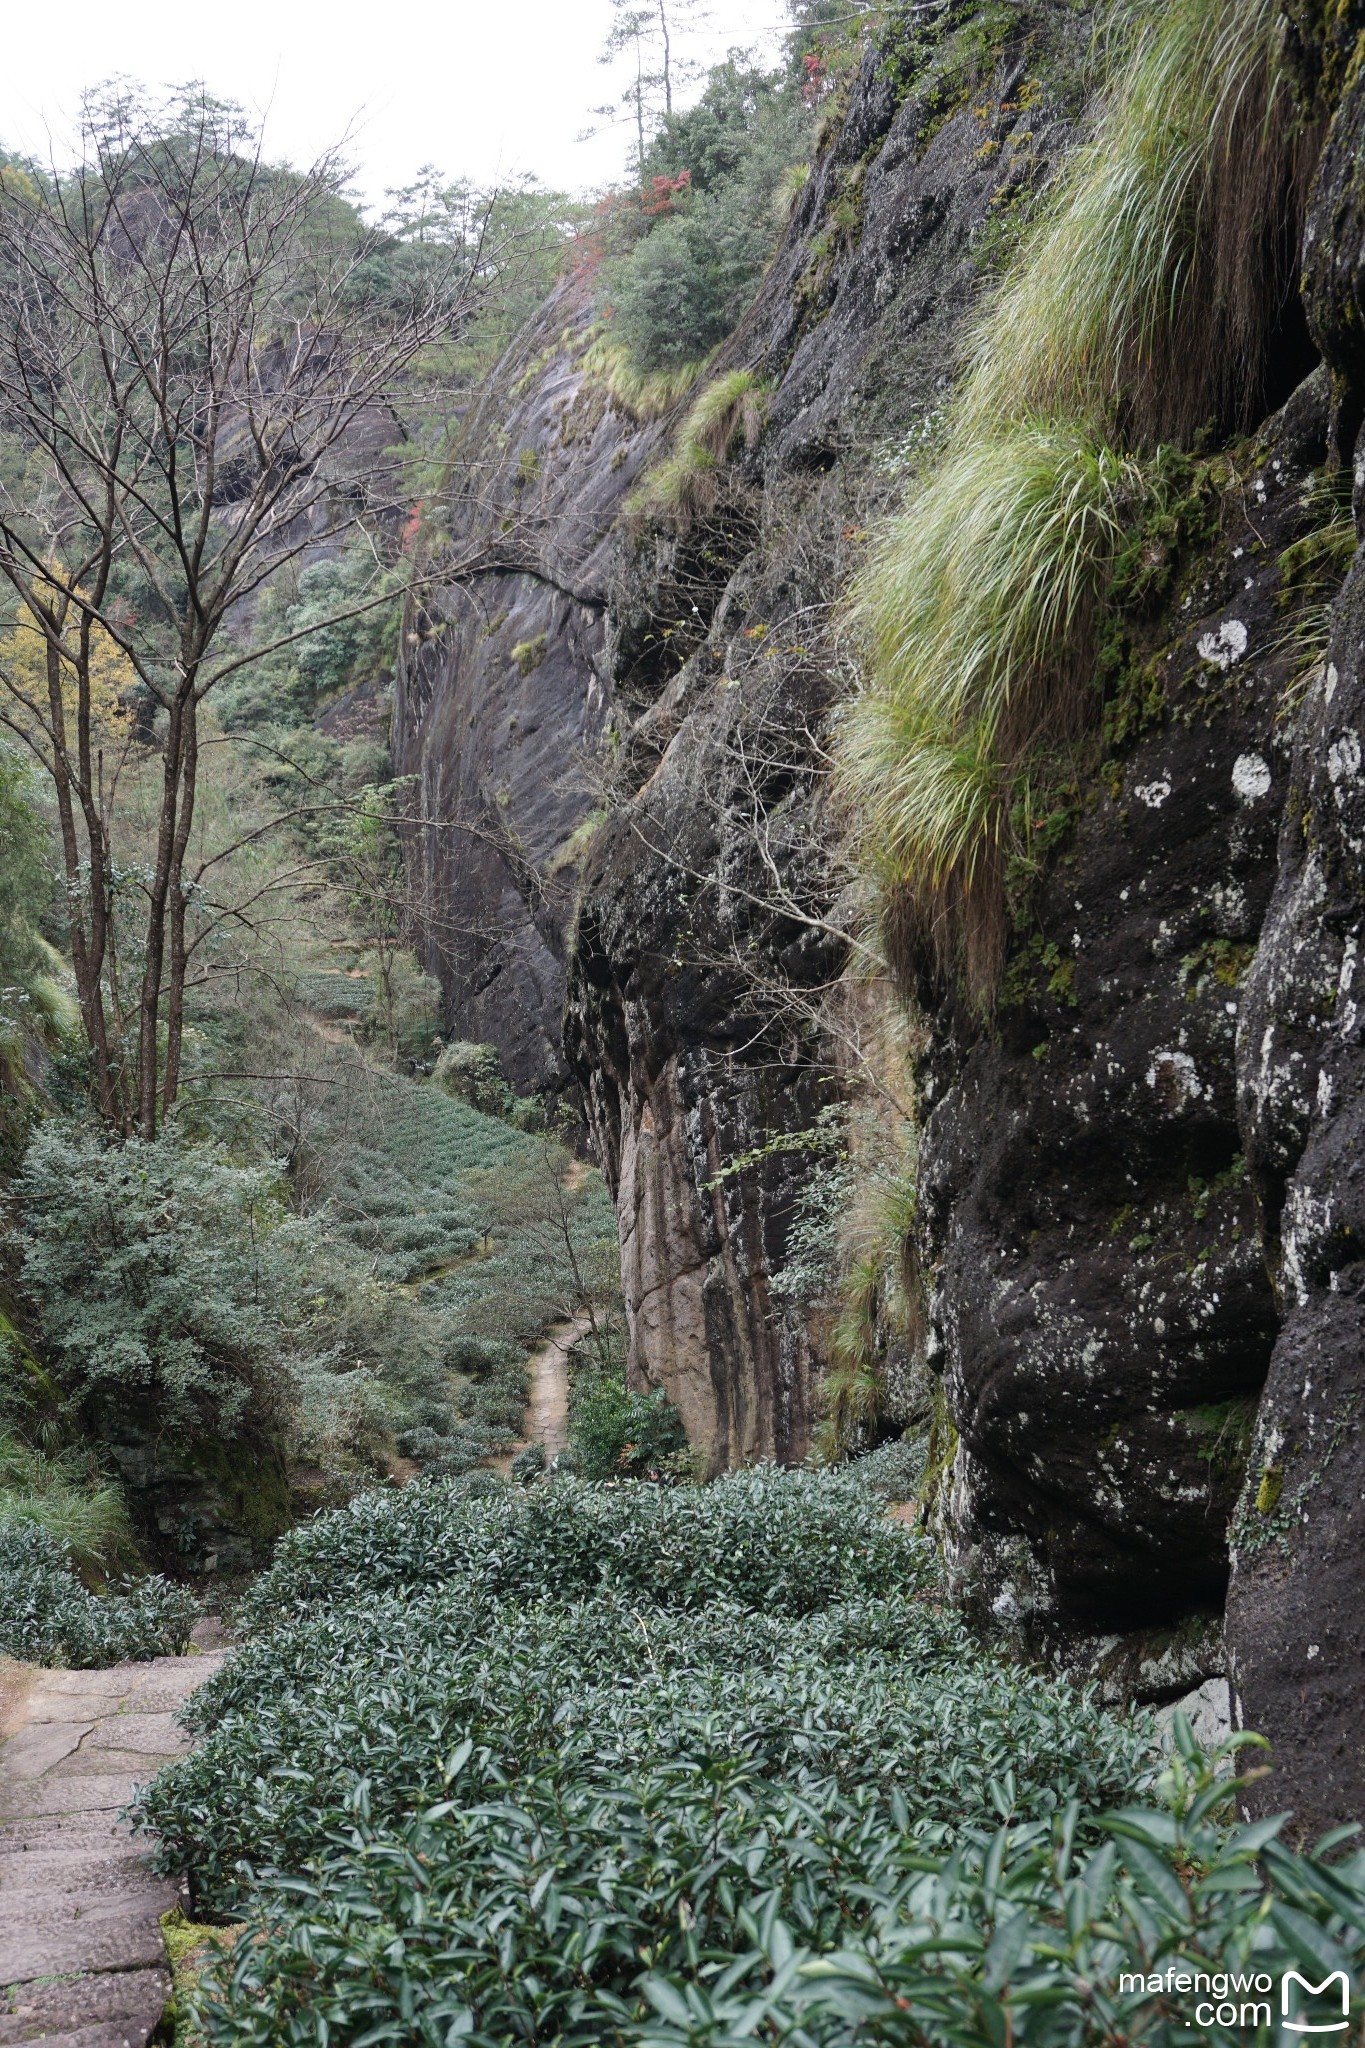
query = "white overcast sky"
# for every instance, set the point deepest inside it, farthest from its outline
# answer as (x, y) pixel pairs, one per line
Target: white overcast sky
(477, 87)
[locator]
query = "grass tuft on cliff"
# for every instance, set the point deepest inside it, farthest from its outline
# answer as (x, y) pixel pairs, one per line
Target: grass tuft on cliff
(644, 394)
(1142, 308)
(975, 614)
(687, 482)
(1147, 293)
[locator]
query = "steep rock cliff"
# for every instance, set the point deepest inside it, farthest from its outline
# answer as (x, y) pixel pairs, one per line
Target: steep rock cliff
(695, 978)
(1295, 1624)
(503, 703)
(1100, 1306)
(1137, 1223)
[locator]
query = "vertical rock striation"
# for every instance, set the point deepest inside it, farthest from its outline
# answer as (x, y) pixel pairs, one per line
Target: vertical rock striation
(502, 703)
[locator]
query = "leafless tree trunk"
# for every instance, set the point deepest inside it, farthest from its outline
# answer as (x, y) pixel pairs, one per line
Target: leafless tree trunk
(188, 342)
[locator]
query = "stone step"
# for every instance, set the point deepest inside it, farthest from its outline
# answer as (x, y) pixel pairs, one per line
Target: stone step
(81, 1947)
(118, 2009)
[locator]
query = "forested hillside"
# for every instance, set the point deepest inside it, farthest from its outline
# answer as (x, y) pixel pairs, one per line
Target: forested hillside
(680, 894)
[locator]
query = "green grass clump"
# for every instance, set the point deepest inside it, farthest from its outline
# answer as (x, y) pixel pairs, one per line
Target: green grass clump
(644, 394)
(1139, 311)
(976, 613)
(611, 1765)
(687, 482)
(1144, 294)
(58, 1494)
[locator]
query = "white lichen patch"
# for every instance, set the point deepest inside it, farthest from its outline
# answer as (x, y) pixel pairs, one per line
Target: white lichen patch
(1226, 646)
(1307, 1225)
(1153, 794)
(1228, 901)
(1174, 1078)
(1343, 759)
(1251, 777)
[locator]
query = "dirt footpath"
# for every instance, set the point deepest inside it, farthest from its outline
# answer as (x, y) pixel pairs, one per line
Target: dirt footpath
(82, 1956)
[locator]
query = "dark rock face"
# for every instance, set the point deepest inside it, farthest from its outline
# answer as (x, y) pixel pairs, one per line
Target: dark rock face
(1296, 1610)
(686, 1064)
(1296, 1619)
(1101, 1310)
(502, 699)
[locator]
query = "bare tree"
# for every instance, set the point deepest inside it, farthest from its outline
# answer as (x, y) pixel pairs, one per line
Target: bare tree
(644, 34)
(193, 345)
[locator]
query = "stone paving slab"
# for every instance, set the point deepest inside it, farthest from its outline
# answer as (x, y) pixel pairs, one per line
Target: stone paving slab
(158, 1735)
(86, 1792)
(54, 1708)
(110, 2011)
(86, 1927)
(82, 1955)
(38, 1748)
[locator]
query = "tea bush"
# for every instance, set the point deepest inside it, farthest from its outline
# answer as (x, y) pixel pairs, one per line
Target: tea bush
(621, 1764)
(48, 1617)
(777, 1542)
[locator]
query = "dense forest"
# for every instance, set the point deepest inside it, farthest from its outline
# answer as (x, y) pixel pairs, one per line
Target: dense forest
(680, 1082)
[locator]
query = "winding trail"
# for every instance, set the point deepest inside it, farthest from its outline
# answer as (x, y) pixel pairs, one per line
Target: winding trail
(546, 1419)
(82, 1956)
(547, 1413)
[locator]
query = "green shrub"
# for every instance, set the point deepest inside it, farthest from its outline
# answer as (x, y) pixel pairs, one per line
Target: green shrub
(628, 1765)
(893, 1472)
(333, 650)
(683, 288)
(48, 1617)
(765, 1914)
(25, 881)
(144, 1262)
(703, 241)
(1027, 1934)
(473, 1074)
(617, 1434)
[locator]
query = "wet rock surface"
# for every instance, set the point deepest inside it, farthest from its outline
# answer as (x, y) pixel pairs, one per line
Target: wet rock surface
(1296, 1620)
(1101, 1310)
(1295, 1623)
(503, 700)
